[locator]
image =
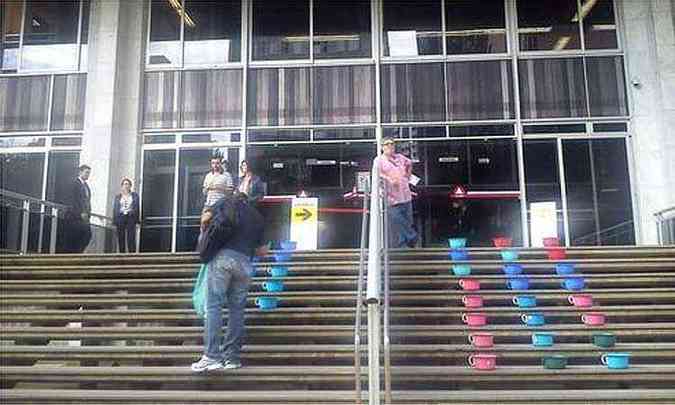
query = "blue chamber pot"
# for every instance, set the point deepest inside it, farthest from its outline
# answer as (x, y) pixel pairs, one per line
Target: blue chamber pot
(542, 339)
(525, 301)
(616, 360)
(461, 269)
(458, 255)
(518, 283)
(267, 303)
(278, 271)
(533, 319)
(564, 269)
(273, 285)
(512, 269)
(289, 245)
(457, 243)
(573, 283)
(509, 255)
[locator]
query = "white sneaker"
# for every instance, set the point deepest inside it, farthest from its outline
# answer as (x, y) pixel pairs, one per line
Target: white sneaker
(206, 364)
(231, 365)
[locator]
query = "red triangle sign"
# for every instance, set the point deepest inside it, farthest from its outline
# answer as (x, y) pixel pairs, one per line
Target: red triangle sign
(459, 191)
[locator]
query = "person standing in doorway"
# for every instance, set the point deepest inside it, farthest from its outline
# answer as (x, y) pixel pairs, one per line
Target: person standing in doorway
(217, 183)
(250, 184)
(125, 216)
(79, 234)
(395, 169)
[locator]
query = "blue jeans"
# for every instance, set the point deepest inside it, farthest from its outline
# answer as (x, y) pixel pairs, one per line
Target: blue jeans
(401, 232)
(229, 278)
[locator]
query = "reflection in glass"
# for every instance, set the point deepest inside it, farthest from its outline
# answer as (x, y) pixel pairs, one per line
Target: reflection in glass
(212, 32)
(279, 96)
(542, 97)
(481, 130)
(412, 28)
(414, 132)
(21, 142)
(10, 30)
(413, 92)
(193, 165)
(542, 184)
(598, 192)
(548, 25)
(280, 30)
(342, 29)
(23, 103)
(157, 197)
(212, 98)
(472, 29)
(606, 86)
(50, 35)
(159, 105)
(344, 94)
(274, 135)
(84, 37)
(213, 137)
(479, 90)
(599, 24)
(20, 173)
(165, 20)
(68, 101)
(325, 134)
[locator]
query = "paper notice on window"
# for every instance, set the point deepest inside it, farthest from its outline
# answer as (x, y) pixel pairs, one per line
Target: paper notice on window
(413, 180)
(402, 43)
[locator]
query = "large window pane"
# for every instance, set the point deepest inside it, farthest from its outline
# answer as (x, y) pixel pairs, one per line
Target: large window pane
(548, 25)
(480, 90)
(342, 29)
(68, 102)
(60, 175)
(21, 173)
(598, 192)
(23, 103)
(279, 96)
(158, 179)
(10, 29)
(552, 88)
(160, 104)
(50, 35)
(472, 29)
(165, 21)
(599, 24)
(84, 47)
(193, 165)
(212, 98)
(280, 30)
(212, 32)
(606, 86)
(413, 92)
(412, 28)
(344, 94)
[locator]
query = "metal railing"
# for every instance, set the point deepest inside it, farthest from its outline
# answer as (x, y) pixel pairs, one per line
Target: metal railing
(359, 297)
(385, 281)
(35, 223)
(665, 226)
(614, 231)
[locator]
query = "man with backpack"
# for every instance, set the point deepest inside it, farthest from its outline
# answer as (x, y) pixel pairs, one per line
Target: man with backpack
(232, 232)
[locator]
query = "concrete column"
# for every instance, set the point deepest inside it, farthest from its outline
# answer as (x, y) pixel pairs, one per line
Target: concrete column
(650, 59)
(111, 144)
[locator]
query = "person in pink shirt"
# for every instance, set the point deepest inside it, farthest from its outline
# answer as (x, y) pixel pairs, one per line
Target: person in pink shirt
(396, 169)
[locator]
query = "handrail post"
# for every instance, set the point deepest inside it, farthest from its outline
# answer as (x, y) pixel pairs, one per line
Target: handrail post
(373, 288)
(53, 232)
(359, 298)
(24, 226)
(385, 255)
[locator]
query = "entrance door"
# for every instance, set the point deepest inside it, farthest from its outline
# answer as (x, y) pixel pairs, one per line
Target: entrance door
(468, 188)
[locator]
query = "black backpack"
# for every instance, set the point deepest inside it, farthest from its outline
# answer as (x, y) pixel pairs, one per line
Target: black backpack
(220, 230)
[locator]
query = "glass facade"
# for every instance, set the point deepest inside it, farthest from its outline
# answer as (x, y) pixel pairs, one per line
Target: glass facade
(306, 89)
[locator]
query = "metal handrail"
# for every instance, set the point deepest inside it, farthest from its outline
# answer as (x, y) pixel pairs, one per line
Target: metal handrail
(359, 298)
(385, 258)
(603, 232)
(23, 197)
(665, 224)
(661, 214)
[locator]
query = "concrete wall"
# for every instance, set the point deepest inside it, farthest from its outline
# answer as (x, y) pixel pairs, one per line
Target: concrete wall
(111, 142)
(649, 38)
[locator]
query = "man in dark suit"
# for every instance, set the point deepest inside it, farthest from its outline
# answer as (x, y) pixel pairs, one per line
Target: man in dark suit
(79, 234)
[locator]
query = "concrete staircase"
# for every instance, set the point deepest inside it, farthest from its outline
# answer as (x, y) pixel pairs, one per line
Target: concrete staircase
(120, 329)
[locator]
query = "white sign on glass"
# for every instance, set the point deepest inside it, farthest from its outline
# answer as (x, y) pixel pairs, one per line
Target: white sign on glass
(402, 43)
(543, 222)
(305, 223)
